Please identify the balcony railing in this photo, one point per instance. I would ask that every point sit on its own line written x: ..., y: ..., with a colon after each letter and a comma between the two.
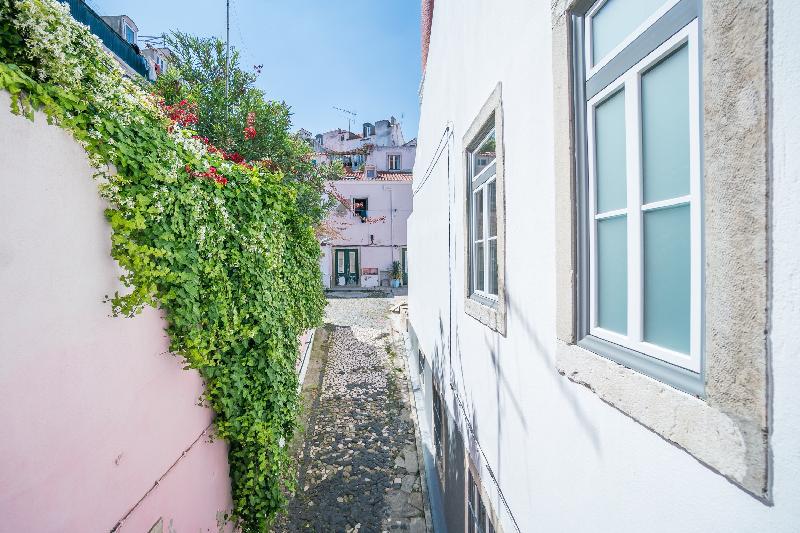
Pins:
x: 113, y: 41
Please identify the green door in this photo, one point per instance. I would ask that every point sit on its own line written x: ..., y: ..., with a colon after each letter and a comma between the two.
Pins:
x: 405, y: 266
x: 346, y: 262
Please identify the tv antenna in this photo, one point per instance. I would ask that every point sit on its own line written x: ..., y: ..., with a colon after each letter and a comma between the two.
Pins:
x: 351, y: 115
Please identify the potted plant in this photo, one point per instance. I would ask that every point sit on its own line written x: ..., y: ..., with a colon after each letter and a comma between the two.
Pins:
x: 397, y: 274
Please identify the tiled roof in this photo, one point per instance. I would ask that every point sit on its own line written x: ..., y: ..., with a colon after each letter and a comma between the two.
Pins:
x: 380, y: 176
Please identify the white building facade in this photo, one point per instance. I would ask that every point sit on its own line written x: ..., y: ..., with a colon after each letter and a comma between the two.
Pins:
x: 366, y: 232
x: 605, y: 275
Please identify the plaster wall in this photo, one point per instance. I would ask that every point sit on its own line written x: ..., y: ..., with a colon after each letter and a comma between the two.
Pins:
x: 388, y: 229
x: 94, y: 408
x: 563, y: 458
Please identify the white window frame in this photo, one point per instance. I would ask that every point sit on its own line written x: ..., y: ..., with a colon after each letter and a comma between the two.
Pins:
x: 603, y: 61
x: 399, y: 160
x: 368, y: 169
x: 125, y: 28
x: 483, y: 189
x: 490, y: 517
x: 630, y: 81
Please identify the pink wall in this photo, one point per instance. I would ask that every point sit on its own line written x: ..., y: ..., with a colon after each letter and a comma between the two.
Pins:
x: 389, y: 235
x: 94, y: 410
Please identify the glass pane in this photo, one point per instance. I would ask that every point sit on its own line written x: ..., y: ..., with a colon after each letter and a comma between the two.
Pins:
x: 484, y: 155
x: 479, y: 266
x: 612, y: 274
x: 352, y: 261
x: 492, y: 206
x: 492, y: 267
x: 616, y: 20
x: 481, y: 514
x: 478, y: 227
x: 470, y: 488
x: 340, y: 262
x: 609, y: 137
x: 667, y: 285
x: 665, y: 128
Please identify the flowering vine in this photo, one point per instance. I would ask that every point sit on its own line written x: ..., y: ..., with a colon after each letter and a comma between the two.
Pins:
x: 199, y: 233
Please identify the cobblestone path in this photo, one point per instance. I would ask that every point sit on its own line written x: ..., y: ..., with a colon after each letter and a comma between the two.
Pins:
x: 359, y: 468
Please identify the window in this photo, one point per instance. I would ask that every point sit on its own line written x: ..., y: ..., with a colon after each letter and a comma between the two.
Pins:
x: 479, y: 519
x: 370, y: 172
x: 360, y: 208
x: 439, y: 416
x: 394, y: 162
x: 130, y: 36
x: 483, y: 217
x: 641, y: 207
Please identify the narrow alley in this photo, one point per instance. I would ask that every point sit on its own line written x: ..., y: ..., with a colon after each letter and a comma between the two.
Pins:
x: 359, y: 469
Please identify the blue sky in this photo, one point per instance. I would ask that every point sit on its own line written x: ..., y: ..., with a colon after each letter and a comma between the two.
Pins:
x: 361, y: 55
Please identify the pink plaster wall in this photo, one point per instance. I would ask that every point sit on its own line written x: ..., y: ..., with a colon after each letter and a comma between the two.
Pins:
x: 389, y: 233
x: 93, y: 408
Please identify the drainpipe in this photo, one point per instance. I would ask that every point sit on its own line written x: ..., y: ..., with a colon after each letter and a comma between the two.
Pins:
x: 391, y: 219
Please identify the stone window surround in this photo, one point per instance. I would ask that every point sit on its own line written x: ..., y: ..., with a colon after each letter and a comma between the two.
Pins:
x: 491, y: 313
x: 471, y: 466
x: 726, y: 428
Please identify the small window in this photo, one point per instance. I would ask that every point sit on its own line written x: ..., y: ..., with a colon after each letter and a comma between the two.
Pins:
x: 394, y: 162
x: 483, y: 216
x: 479, y: 516
x: 130, y: 36
x: 360, y: 208
x: 439, y: 416
x: 370, y: 172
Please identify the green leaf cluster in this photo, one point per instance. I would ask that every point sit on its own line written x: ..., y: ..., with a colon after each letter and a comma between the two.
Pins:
x: 234, y: 268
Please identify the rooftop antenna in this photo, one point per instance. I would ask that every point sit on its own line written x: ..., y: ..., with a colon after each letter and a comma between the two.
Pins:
x: 227, y: 55
x: 352, y: 114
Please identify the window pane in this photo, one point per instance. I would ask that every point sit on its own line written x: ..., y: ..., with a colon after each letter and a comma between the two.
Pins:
x: 667, y: 285
x: 484, y: 155
x: 478, y: 227
x: 481, y: 514
x: 340, y: 262
x: 612, y: 274
x: 492, y: 267
x: 352, y: 262
x: 479, y: 266
x: 610, y: 153
x: 616, y: 20
x: 470, y: 489
x: 492, y: 206
x: 665, y: 128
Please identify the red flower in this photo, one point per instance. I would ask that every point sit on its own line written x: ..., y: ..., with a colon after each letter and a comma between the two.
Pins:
x: 249, y: 133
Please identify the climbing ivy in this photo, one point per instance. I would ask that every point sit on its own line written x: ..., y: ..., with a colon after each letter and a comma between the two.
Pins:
x: 216, y: 243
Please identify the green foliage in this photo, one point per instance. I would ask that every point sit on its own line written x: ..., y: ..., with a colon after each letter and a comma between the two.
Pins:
x: 397, y: 270
x: 197, y: 74
x: 233, y: 264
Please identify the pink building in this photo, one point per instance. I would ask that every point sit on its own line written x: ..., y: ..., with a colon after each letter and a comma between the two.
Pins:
x: 368, y: 227
x: 370, y: 233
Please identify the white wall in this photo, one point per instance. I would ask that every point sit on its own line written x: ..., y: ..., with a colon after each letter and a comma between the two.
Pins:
x: 565, y: 460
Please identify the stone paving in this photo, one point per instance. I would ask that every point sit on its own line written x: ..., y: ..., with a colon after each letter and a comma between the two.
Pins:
x: 359, y: 469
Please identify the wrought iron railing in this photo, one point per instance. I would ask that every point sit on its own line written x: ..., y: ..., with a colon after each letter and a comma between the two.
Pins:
x: 113, y: 41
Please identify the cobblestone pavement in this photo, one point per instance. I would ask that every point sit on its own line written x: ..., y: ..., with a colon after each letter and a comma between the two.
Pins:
x: 359, y: 467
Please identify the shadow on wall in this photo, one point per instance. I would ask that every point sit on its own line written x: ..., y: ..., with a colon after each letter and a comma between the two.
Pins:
x: 466, y: 427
